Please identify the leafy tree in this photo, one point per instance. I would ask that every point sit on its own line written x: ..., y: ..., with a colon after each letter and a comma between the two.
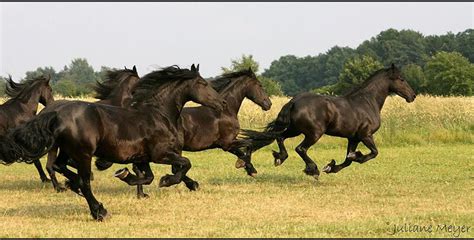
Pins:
x: 244, y: 63
x: 416, y: 77
x: 465, y: 44
x: 79, y: 73
x: 355, y: 72
x: 43, y: 71
x: 449, y: 73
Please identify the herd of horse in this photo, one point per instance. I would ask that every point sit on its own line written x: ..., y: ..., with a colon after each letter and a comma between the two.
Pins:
x: 139, y: 120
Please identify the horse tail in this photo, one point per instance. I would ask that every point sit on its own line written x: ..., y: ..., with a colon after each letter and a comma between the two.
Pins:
x: 102, y: 164
x: 29, y: 142
x: 256, y: 140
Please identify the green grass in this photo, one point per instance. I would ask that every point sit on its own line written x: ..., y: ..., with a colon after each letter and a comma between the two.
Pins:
x: 421, y: 184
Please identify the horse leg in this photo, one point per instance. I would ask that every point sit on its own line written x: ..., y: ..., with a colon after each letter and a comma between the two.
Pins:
x: 38, y: 166
x: 140, y: 174
x: 182, y: 165
x: 311, y: 167
x: 190, y: 183
x: 97, y: 210
x: 281, y: 156
x: 350, y: 156
x: 244, y: 161
x: 132, y: 180
x: 60, y: 165
x: 52, y: 155
x: 369, y: 143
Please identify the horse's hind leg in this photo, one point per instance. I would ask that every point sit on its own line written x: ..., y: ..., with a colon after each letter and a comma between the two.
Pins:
x: 190, y: 183
x: 244, y: 160
x: 350, y: 156
x: 38, y: 166
x: 140, y: 174
x: 302, y: 149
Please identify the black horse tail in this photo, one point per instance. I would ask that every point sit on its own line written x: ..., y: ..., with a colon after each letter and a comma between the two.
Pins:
x: 256, y: 140
x: 102, y: 164
x: 30, y: 141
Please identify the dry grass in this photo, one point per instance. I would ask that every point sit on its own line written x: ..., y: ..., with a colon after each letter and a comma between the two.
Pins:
x: 423, y: 175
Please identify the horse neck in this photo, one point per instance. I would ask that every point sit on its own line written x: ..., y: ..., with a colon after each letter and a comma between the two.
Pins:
x: 171, y: 103
x: 121, y: 98
x: 374, y: 93
x: 234, y: 98
x: 30, y: 104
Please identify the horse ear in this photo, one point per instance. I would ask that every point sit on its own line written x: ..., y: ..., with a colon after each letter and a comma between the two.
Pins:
x: 193, y: 68
x: 393, y: 66
x: 48, y: 77
x: 197, y: 68
x: 125, y: 67
x: 135, y: 69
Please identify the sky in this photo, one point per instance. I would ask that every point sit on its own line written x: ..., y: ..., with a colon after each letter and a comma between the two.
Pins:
x: 151, y: 35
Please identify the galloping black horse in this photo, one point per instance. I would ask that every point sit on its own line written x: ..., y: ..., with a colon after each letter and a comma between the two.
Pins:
x: 116, y: 90
x: 23, y: 104
x: 146, y: 132
x: 203, y: 128
x: 355, y: 116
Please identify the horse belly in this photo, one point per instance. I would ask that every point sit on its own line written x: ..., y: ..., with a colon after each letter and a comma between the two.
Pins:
x: 121, y: 150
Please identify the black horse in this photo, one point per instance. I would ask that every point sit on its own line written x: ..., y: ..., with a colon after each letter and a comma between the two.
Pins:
x: 146, y: 132
x: 23, y: 104
x: 116, y: 90
x: 355, y: 116
x: 202, y: 128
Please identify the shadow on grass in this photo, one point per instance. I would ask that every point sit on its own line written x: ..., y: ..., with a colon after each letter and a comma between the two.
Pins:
x: 44, y: 211
x: 280, y: 179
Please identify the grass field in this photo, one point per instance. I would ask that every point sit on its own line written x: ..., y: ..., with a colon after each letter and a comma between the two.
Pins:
x: 423, y: 176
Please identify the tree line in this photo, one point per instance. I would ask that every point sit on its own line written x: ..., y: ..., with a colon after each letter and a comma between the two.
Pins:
x: 435, y: 64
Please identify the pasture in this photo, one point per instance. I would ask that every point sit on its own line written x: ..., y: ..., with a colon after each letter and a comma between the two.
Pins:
x: 423, y: 176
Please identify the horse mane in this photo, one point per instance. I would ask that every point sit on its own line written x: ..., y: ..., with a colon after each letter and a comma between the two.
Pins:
x: 222, y: 81
x: 112, y: 80
x: 156, y: 80
x: 356, y: 89
x: 18, y: 90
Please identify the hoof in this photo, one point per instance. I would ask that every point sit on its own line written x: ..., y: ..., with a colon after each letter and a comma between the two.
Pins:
x: 192, y: 186
x: 165, y: 181
x: 73, y: 187
x: 253, y: 175
x: 277, y: 162
x: 143, y: 196
x: 330, y: 167
x: 316, y: 177
x: 122, y: 173
x: 101, y: 214
x: 239, y: 163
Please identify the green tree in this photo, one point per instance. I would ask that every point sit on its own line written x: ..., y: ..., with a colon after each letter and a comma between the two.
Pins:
x: 449, y: 73
x: 243, y: 63
x: 355, y: 72
x: 415, y: 76
x: 43, y: 71
x: 247, y: 61
x: 81, y: 74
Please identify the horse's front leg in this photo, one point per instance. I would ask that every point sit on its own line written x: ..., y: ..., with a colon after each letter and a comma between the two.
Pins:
x: 181, y: 166
x: 244, y: 160
x: 52, y: 155
x: 131, y: 179
x: 350, y: 156
x: 370, y: 144
x: 41, y: 173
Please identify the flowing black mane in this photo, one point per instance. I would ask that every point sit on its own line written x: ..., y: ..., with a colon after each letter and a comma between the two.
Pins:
x: 356, y: 89
x: 154, y: 81
x: 223, y: 80
x: 104, y: 89
x: 19, y: 90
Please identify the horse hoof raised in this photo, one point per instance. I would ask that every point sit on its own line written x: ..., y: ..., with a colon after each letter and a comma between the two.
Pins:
x: 239, y: 163
x: 122, y: 173
x: 330, y: 167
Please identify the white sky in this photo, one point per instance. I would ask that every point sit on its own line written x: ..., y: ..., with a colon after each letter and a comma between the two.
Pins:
x: 161, y: 34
